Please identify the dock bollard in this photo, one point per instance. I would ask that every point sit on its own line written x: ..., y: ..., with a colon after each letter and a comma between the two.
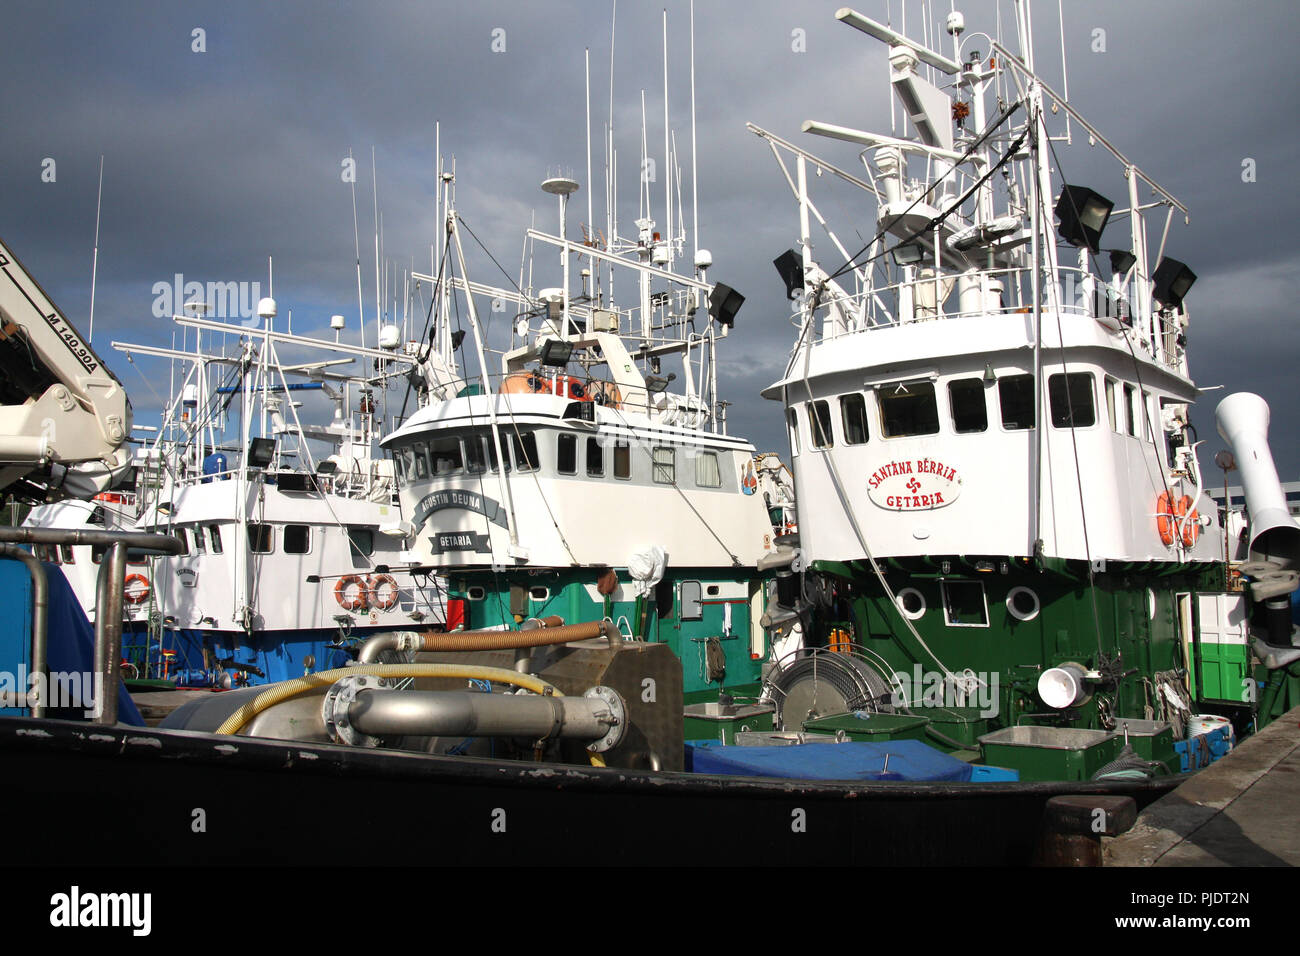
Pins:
x: 1073, y: 827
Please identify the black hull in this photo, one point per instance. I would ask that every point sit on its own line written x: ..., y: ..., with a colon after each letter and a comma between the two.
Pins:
x: 125, y: 796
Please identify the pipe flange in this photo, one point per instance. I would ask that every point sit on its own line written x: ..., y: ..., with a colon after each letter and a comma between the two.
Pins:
x: 334, y: 710
x: 617, y: 718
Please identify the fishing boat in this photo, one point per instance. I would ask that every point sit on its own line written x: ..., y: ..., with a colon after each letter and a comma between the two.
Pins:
x: 283, y: 568
x: 623, y: 677
x: 1003, y: 518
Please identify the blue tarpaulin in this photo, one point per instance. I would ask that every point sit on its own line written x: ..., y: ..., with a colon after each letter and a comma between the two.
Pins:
x: 908, y: 760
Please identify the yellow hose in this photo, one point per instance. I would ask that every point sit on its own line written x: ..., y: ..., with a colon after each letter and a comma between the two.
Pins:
x: 278, y: 693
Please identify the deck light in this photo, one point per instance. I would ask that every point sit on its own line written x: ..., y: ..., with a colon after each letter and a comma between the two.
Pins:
x: 1121, y: 260
x: 724, y: 303
x: 556, y: 352
x: 260, y: 452
x: 908, y: 253
x: 1083, y: 214
x: 990, y: 376
x: 457, y: 337
x: 1171, y: 281
x: 790, y: 267
x: 326, y: 467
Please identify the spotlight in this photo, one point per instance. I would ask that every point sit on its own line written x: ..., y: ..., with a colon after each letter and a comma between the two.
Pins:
x: 556, y: 352
x: 1171, y: 281
x: 724, y: 303
x: 790, y: 267
x: 260, y: 452
x: 1083, y: 214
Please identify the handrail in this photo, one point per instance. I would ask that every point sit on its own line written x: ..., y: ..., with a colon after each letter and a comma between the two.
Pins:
x: 109, y: 593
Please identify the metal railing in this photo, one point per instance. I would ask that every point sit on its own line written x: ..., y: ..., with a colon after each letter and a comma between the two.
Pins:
x: 109, y: 594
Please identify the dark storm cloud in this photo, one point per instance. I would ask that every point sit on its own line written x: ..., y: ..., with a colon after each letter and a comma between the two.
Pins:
x: 216, y: 161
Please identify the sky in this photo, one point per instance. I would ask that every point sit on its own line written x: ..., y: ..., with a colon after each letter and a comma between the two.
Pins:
x: 224, y: 128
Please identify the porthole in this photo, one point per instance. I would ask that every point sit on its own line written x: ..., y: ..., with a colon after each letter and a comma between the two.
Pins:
x: 476, y: 593
x: 911, y: 602
x: 1151, y: 604
x: 539, y: 594
x: 1023, y: 604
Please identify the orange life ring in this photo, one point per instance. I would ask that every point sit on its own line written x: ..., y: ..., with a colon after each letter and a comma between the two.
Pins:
x: 379, y: 599
x: 1192, y: 523
x: 136, y: 595
x: 1166, y: 517
x: 358, y: 601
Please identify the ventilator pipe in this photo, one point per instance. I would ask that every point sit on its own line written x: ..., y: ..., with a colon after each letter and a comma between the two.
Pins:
x: 488, y: 640
x: 426, y: 713
x: 40, y: 616
x: 1243, y: 423
x: 278, y: 693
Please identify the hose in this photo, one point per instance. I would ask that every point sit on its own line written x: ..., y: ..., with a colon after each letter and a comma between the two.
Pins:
x: 279, y: 693
x: 489, y: 640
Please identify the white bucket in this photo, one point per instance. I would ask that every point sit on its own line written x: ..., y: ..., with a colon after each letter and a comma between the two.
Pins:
x: 1200, y: 724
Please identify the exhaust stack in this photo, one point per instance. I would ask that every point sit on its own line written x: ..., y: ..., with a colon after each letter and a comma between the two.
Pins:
x: 1274, y: 535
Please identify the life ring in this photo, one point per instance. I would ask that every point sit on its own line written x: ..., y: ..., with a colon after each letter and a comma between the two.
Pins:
x: 1175, y: 514
x: 1167, y: 517
x: 383, y: 599
x: 1191, y: 524
x: 137, y: 594
x: 360, y: 600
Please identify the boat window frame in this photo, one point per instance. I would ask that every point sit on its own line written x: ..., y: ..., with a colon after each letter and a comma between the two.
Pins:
x: 1071, y: 417
x: 895, y: 393
x: 1005, y: 382
x: 947, y: 602
x: 975, y: 384
x: 860, y: 425
x: 284, y: 537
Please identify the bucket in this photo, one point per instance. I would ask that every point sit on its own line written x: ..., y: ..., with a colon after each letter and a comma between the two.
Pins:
x: 1200, y: 724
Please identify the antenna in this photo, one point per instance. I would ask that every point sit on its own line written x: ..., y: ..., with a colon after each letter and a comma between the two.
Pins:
x: 94, y: 261
x: 643, y: 191
x: 668, y: 160
x: 590, y: 218
x: 374, y: 186
x: 356, y: 239
x: 695, y: 195
x: 1065, y: 76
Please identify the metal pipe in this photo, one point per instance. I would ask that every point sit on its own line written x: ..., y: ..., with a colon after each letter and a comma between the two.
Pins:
x: 136, y: 540
x: 40, y: 618
x: 488, y: 640
x: 425, y: 713
x: 109, y: 592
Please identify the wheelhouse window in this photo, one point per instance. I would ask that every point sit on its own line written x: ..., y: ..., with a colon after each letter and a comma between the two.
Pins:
x: 622, y: 459
x: 970, y: 412
x: 819, y: 420
x: 475, y: 460
x: 445, y: 457
x: 200, y: 543
x: 964, y: 604
x: 1130, y: 419
x: 853, y: 416
x: 297, y: 538
x: 908, y: 409
x: 595, y: 459
x: 66, y: 551
x: 566, y: 455
x: 525, y: 449
x: 1111, y: 411
x: 214, y: 536
x: 260, y: 538
x: 1016, y: 400
x: 421, y: 461
x: 1070, y: 398
x: 664, y: 467
x: 793, y: 418
x: 707, y: 473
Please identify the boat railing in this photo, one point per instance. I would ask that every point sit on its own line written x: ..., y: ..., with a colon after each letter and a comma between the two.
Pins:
x: 110, y: 591
x: 931, y: 296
